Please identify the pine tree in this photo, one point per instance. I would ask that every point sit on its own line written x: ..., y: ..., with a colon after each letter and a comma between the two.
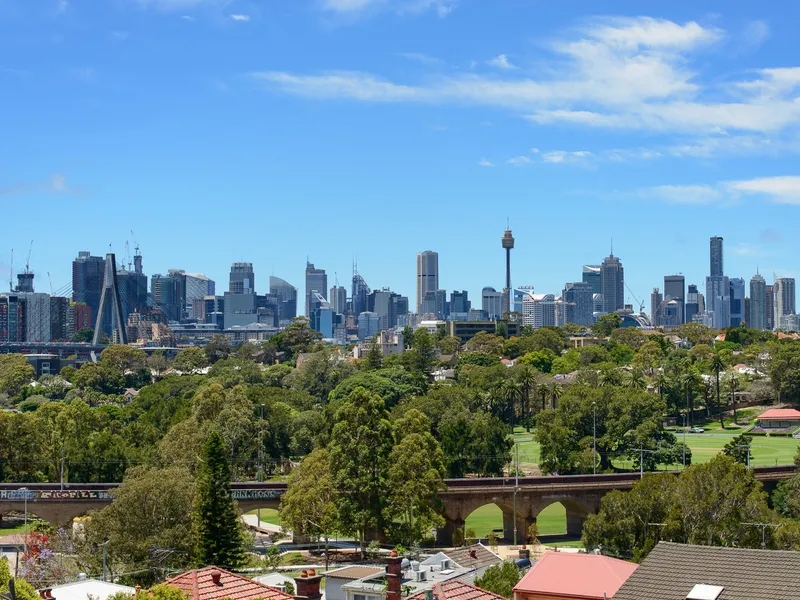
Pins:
x: 220, y: 538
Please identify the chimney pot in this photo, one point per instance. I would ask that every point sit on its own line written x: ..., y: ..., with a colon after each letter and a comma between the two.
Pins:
x: 216, y: 576
x: 312, y: 572
x: 394, y: 553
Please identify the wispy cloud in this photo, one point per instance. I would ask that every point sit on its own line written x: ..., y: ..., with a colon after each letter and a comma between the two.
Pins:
x: 756, y: 33
x: 501, y: 62
x: 356, y: 7
x: 779, y: 190
x: 176, y: 5
x: 54, y: 184
x: 519, y: 161
x: 240, y: 18
x: 560, y: 156
x: 62, y: 6
x: 421, y: 58
x: 683, y: 194
x: 485, y: 163
x: 747, y: 249
x: 782, y: 190
x: 629, y: 74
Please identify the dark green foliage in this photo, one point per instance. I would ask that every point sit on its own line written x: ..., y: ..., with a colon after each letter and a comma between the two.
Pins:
x: 500, y: 579
x: 218, y: 531
x: 392, y: 384
x: 785, y: 371
x: 739, y: 449
x: 83, y: 336
x: 606, y: 324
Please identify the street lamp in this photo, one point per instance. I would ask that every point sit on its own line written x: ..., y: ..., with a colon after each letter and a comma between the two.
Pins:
x: 594, y: 438
x: 25, y: 526
x: 104, y: 544
x: 684, y: 440
x: 516, y: 485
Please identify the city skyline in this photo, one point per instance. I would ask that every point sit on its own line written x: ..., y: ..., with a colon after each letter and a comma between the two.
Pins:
x: 136, y: 115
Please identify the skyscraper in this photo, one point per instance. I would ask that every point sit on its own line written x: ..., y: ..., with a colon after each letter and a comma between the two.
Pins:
x: 321, y: 314
x: 715, y: 255
x: 656, y: 300
x: 692, y: 303
x: 338, y: 299
x: 578, y: 305
x: 196, y: 287
x: 459, y: 302
x: 427, y: 275
x: 360, y: 291
x: 770, y: 304
x: 87, y: 281
x: 674, y: 289
x: 243, y: 279
x: 491, y: 303
x: 316, y: 281
x: 591, y: 275
x: 737, y: 301
x: 758, y: 302
x: 166, y: 292
x: 286, y: 295
x: 718, y: 288
x: 612, y: 284
x: 784, y: 298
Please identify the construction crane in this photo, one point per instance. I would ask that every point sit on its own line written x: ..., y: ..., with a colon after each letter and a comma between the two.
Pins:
x: 641, y: 304
x: 135, y: 243
x: 28, y: 262
x: 51, y: 283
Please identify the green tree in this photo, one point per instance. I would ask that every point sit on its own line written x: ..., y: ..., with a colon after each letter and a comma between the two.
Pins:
x: 308, y: 506
x: 739, y: 449
x: 422, y: 355
x: 696, y: 333
x: 218, y: 348
x: 415, y: 473
x: 220, y: 539
x: 785, y: 371
x: 717, y: 364
x: 449, y: 345
x: 361, y: 442
x: 190, y: 359
x: 22, y: 589
x: 500, y: 579
x: 15, y: 373
x: 606, y: 324
x: 633, y: 337
x: 123, y: 358
x: 485, y: 343
x: 374, y: 358
x: 152, y: 508
x: 84, y: 336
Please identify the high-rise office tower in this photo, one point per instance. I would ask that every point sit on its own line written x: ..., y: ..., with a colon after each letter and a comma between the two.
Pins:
x: 427, y: 275
x: 770, y: 304
x: 316, y: 281
x: 167, y: 294
x: 196, y: 286
x: 87, y: 281
x: 591, y: 275
x: 655, y: 307
x: 286, y: 295
x: 692, y: 303
x: 612, y: 284
x: 360, y: 291
x: 783, y: 289
x: 577, y: 303
x: 675, y: 289
x: 338, y: 299
x: 491, y: 303
x: 758, y: 302
x: 715, y: 256
x: 507, y: 242
x: 718, y: 288
x: 321, y: 314
x: 243, y: 279
x: 435, y: 303
x: 459, y: 302
x: 737, y: 301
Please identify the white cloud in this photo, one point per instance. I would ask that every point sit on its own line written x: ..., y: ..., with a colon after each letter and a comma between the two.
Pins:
x: 485, y: 163
x: 354, y: 7
x: 349, y: 5
x: 501, y: 62
x: 626, y: 74
x: 420, y: 58
x: 756, y: 33
x: 241, y: 18
x: 173, y: 5
x: 747, y: 249
x: 783, y: 190
x: 683, y: 194
x: 561, y: 156
x: 518, y: 161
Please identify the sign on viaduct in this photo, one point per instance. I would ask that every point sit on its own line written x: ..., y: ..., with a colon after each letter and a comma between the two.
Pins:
x: 579, y: 494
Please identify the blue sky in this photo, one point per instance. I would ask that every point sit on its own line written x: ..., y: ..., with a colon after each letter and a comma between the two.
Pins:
x: 273, y: 130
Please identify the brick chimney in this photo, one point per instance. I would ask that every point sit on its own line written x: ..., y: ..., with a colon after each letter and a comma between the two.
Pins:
x: 524, y: 553
x: 394, y: 576
x: 308, y: 585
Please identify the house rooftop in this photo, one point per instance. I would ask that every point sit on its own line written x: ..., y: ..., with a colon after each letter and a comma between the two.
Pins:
x: 213, y: 583
x: 457, y: 590
x: 671, y: 571
x: 781, y: 414
x: 568, y: 575
x: 85, y: 588
x: 355, y: 572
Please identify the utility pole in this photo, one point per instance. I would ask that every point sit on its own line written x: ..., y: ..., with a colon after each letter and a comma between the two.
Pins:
x: 748, y: 452
x: 763, y: 531
x: 594, y: 438
x: 104, y: 544
x: 684, y: 442
x: 642, y: 450
x: 260, y: 458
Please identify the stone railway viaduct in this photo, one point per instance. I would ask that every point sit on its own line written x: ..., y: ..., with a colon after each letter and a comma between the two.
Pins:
x: 580, y: 495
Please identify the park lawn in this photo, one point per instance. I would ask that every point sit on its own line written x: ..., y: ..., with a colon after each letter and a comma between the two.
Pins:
x: 551, y: 521
x: 16, y: 529
x: 268, y: 515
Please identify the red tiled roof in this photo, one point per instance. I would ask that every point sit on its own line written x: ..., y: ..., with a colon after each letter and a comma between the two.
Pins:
x: 457, y: 590
x: 575, y: 575
x: 199, y: 585
x: 780, y: 413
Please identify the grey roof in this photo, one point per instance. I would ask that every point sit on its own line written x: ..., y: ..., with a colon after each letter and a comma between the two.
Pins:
x: 671, y: 571
x: 476, y: 556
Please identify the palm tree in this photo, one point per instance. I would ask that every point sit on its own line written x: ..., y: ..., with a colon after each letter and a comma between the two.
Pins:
x: 511, y: 391
x: 717, y: 364
x: 555, y: 393
x: 527, y: 379
x: 689, y: 381
x: 609, y: 377
x: 734, y: 380
x: 663, y: 382
x: 635, y: 380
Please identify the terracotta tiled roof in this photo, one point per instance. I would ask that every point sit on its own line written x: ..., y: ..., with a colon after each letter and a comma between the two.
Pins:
x: 671, y: 570
x: 355, y: 572
x: 199, y: 585
x: 780, y: 413
x: 457, y: 590
x: 570, y: 575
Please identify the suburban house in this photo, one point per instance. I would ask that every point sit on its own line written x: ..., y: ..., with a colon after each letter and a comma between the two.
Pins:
x: 684, y: 572
x: 568, y: 576
x: 334, y: 580
x: 85, y: 588
x: 778, y: 419
x: 455, y: 590
x: 213, y: 583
